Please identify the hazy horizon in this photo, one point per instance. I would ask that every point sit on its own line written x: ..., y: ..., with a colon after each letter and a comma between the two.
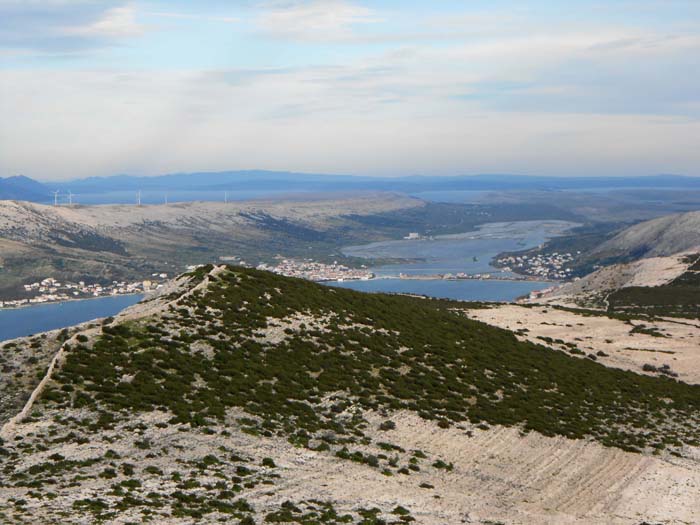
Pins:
x: 368, y: 88
x: 494, y: 175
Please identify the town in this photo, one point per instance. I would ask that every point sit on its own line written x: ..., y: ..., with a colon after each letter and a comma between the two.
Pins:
x: 550, y: 266
x: 51, y: 290
x: 316, y: 271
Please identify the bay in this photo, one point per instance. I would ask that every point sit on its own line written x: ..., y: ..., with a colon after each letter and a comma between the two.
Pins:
x: 471, y: 253
x: 20, y: 322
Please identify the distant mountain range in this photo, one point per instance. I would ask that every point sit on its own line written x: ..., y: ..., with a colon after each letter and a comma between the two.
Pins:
x: 290, y: 181
x: 23, y: 188
x: 183, y: 186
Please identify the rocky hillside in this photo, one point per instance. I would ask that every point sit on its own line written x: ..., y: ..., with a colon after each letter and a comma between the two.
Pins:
x: 243, y: 397
x: 126, y: 242
x: 650, y: 268
x: 664, y: 236
x: 657, y: 286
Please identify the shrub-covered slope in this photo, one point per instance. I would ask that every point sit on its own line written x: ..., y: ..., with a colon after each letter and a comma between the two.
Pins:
x: 678, y: 298
x: 155, y: 415
x: 280, y: 348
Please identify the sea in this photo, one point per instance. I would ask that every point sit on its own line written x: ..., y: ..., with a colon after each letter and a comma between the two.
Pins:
x: 20, y: 322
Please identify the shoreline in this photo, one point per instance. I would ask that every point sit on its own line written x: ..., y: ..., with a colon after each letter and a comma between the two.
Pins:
x: 425, y: 278
x: 516, y: 231
x: 69, y: 300
x: 478, y: 232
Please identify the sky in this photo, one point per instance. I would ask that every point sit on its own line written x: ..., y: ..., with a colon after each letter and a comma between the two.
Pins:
x: 385, y: 87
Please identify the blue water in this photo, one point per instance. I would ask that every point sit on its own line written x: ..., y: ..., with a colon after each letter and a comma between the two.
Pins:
x: 470, y: 253
x: 466, y: 290
x: 21, y: 322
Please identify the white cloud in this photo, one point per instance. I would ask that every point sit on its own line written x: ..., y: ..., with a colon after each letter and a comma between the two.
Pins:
x: 324, y: 120
x: 313, y: 19
x: 59, y: 27
x: 117, y: 22
x: 570, y: 98
x: 190, y: 16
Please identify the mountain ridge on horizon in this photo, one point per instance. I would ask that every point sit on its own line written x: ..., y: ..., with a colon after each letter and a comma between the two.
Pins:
x: 24, y: 188
x: 19, y: 187
x: 318, y: 181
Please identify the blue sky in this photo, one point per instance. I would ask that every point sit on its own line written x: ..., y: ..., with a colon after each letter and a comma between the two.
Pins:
x: 97, y: 87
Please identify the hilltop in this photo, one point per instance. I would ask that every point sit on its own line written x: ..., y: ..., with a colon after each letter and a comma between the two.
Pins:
x: 241, y: 396
x: 20, y: 187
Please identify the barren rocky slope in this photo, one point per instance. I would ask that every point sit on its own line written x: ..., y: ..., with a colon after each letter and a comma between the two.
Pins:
x: 664, y: 236
x: 591, y: 289
x: 239, y: 396
x: 653, y: 346
x: 654, y: 287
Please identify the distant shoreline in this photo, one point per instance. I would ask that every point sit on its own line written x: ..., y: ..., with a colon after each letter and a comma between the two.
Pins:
x: 69, y: 300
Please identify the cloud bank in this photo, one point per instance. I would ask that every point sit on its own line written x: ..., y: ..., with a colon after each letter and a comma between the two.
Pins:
x: 344, y: 87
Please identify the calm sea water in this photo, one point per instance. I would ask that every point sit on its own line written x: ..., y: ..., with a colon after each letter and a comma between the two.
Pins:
x: 460, y: 290
x: 21, y: 322
x: 469, y: 252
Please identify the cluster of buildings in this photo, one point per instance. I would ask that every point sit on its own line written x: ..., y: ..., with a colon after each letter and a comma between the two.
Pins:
x: 462, y: 275
x: 51, y: 290
x: 315, y: 271
x: 446, y: 276
x: 538, y: 294
x: 546, y: 266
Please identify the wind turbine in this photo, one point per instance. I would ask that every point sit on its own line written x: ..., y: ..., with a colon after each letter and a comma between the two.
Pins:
x: 166, y: 198
x: 138, y: 198
x: 225, y: 196
x: 70, y: 198
x: 55, y: 197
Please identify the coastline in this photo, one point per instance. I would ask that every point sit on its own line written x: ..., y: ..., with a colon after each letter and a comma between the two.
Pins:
x: 46, y: 317
x: 440, y: 278
x: 66, y: 301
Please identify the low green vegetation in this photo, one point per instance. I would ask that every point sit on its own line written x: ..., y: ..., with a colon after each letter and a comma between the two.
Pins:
x: 679, y: 298
x: 316, y: 512
x: 323, y: 368
x: 349, y: 352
